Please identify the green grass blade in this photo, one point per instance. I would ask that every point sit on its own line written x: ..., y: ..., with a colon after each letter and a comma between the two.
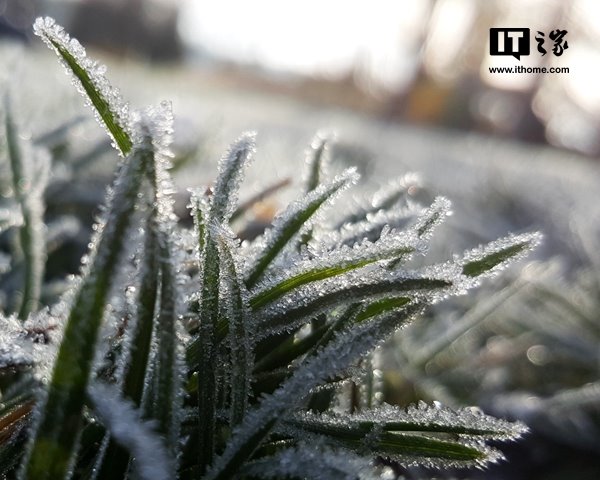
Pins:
x: 205, y: 342
x: 224, y: 197
x: 435, y: 434
x: 116, y: 458
x: 90, y: 81
x: 167, y: 369
x: 432, y: 217
x: 337, y: 263
x: 306, y: 305
x: 29, y: 198
x: 52, y: 449
x: 238, y: 313
x: 293, y: 219
x: 497, y: 254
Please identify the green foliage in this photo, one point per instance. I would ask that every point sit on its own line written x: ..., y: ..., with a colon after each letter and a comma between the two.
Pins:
x: 122, y: 386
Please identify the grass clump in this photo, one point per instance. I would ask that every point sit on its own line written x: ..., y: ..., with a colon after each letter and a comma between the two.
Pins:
x: 223, y: 359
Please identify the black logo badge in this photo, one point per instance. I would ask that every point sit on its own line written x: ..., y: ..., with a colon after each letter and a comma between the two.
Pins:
x: 513, y: 42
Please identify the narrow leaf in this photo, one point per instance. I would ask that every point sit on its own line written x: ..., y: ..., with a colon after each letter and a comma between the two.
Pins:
x: 90, y: 81
x: 124, y: 423
x: 238, y: 315
x: 51, y: 451
x: 28, y: 195
x: 302, y: 305
x: 224, y: 198
x: 496, y: 255
x: 291, y: 221
x: 337, y: 262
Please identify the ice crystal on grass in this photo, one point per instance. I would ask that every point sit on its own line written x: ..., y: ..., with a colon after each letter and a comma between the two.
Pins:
x: 272, y: 327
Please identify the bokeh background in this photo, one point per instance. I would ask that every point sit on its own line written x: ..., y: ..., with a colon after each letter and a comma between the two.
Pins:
x: 406, y: 87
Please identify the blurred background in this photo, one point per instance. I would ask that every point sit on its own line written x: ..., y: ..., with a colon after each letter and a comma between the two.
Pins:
x: 407, y: 87
x: 425, y: 62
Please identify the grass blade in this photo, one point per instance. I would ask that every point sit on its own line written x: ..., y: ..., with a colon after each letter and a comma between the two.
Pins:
x: 292, y: 220
x: 496, y: 255
x: 90, y: 82
x: 338, y: 262
x: 29, y: 198
x: 224, y: 198
x: 51, y: 451
x: 238, y: 313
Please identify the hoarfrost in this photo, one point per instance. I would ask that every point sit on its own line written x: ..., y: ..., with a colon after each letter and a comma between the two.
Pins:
x: 466, y: 422
x: 126, y: 426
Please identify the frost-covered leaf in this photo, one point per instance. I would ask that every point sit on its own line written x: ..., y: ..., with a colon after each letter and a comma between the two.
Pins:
x: 29, y: 173
x: 238, y: 316
x: 432, y: 217
x: 337, y: 262
x: 496, y: 255
x: 293, y: 220
x: 312, y: 461
x: 346, y: 348
x: 124, y: 423
x: 224, y: 197
x: 206, y: 341
x: 51, y: 451
x: 89, y: 79
x: 316, y: 161
x: 303, y: 304
x: 422, y: 434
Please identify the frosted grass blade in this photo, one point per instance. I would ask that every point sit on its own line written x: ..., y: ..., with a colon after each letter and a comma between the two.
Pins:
x: 301, y: 306
x: 315, y: 161
x: 493, y: 257
x: 292, y: 220
x: 29, y: 197
x: 167, y: 368
x: 337, y: 262
x: 115, y: 458
x: 224, y: 198
x: 206, y: 340
x: 238, y: 314
x: 386, y: 198
x: 433, y: 435
x: 124, y: 423
x: 54, y: 440
x: 336, y: 357
x: 89, y: 79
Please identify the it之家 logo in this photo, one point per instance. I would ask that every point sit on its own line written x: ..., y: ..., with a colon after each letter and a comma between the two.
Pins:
x: 516, y: 42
